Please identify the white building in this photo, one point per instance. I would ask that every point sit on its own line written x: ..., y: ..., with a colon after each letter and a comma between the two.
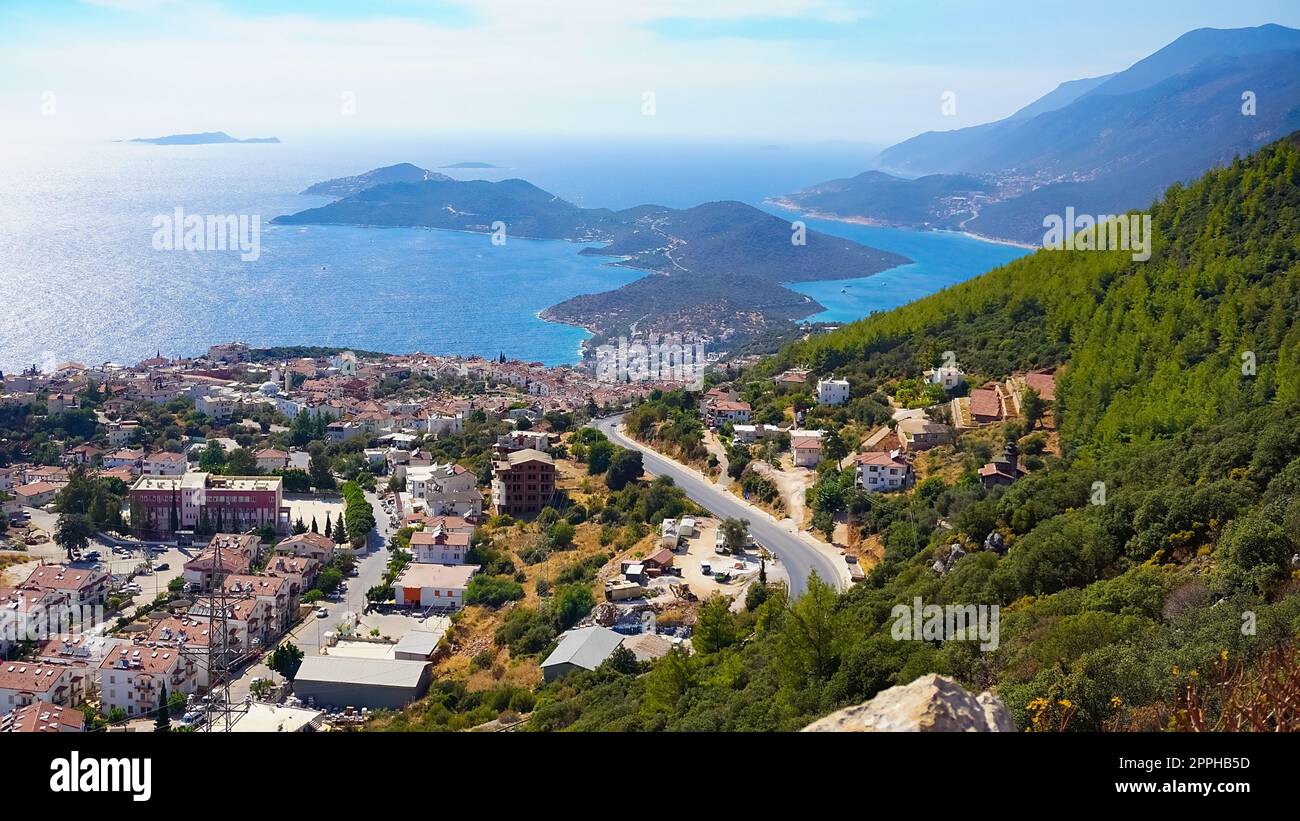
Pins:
x: 879, y: 471
x: 120, y: 433
x: 83, y: 586
x: 25, y: 682
x: 444, y: 489
x: 832, y: 391
x: 806, y: 450
x: 269, y: 459
x: 949, y: 378
x: 440, y: 586
x: 441, y: 425
x: 132, y: 676
x: 749, y: 434
x: 163, y: 463
x: 421, y: 480
x: 439, y: 546
x: 217, y: 406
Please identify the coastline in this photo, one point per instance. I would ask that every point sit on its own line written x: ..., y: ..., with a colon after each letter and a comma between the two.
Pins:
x: 994, y: 240
x: 786, y: 204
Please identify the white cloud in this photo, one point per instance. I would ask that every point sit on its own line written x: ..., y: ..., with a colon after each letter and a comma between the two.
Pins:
x: 526, y: 67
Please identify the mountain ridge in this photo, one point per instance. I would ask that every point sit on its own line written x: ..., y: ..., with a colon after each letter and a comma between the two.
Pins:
x: 1115, y: 144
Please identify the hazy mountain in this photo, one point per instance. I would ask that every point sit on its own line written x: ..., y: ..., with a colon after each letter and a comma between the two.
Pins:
x: 1022, y: 140
x: 347, y: 186
x: 1060, y: 97
x: 1101, y: 145
x: 204, y: 138
x: 1126, y: 150
x: 1196, y: 47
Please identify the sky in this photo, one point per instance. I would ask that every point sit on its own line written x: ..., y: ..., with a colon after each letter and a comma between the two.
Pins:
x: 755, y: 70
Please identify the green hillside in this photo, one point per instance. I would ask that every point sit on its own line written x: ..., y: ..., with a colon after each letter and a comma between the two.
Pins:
x: 1106, y: 609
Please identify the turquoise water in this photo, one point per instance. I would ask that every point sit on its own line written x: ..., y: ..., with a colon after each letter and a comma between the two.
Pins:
x: 82, y: 281
x: 940, y: 259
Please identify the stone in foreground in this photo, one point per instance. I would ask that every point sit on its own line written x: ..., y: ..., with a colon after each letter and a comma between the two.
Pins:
x: 931, y: 704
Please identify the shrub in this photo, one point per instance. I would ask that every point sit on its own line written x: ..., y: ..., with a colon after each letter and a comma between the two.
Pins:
x: 492, y: 591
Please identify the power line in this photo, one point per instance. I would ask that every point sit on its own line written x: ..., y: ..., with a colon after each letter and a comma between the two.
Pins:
x: 217, y: 658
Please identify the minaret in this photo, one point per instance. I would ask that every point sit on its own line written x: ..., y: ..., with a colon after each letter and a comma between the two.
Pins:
x: 288, y: 379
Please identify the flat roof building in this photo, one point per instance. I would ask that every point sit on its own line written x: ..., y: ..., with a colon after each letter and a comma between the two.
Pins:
x: 344, y: 681
x: 440, y: 586
x: 161, y: 505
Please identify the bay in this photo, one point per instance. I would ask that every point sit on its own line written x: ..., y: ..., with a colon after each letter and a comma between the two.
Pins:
x: 80, y: 278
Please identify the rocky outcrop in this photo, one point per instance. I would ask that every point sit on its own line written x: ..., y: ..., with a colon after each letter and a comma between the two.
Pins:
x: 931, y: 704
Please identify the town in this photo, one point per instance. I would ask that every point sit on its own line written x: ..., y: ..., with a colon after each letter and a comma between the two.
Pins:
x: 265, y: 541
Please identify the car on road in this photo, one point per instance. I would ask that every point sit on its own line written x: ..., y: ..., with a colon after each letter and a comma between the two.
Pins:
x: 163, y: 566
x: 322, y: 613
x: 92, y: 556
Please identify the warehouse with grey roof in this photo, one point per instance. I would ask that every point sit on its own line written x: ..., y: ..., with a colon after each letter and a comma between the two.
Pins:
x: 345, y: 681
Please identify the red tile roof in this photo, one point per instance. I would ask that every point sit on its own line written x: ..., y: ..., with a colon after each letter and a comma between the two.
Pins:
x: 1043, y: 382
x: 984, y: 402
x: 43, y: 718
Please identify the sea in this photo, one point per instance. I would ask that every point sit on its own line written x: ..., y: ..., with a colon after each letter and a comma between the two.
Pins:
x: 82, y: 276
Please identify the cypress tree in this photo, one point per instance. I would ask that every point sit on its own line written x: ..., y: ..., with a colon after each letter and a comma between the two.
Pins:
x: 162, y: 722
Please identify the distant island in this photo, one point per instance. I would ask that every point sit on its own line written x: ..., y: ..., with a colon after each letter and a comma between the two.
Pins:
x: 718, y: 269
x: 347, y: 186
x: 205, y: 138
x: 470, y: 165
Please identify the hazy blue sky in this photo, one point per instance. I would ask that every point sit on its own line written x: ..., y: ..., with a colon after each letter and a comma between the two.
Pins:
x: 760, y: 69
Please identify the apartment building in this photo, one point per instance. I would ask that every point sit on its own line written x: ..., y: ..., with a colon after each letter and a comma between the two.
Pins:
x: 523, y: 481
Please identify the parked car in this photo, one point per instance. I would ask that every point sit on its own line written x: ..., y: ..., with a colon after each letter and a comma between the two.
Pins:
x: 163, y: 566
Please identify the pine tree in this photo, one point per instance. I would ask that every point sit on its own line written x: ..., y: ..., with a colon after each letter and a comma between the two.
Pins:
x: 340, y: 531
x: 328, y: 531
x: 314, y: 527
x: 162, y: 722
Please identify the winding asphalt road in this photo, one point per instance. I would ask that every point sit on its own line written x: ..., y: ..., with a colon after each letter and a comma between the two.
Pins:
x: 799, y: 558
